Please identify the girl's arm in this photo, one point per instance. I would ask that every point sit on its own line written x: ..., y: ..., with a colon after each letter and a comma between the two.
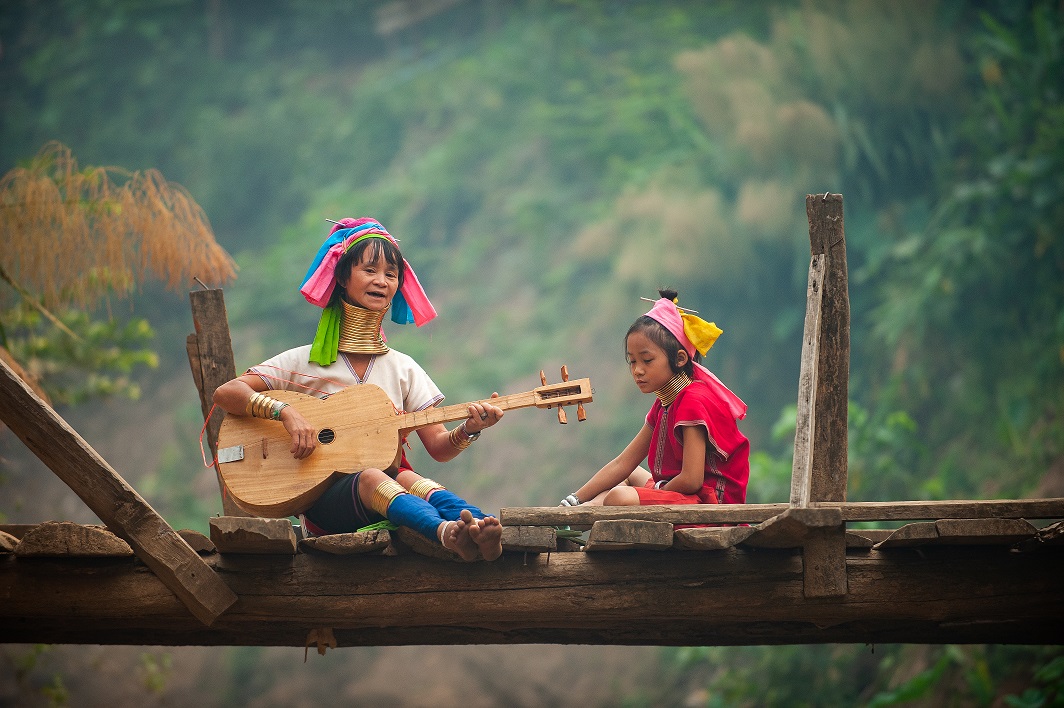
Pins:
x: 617, y: 470
x: 693, y: 473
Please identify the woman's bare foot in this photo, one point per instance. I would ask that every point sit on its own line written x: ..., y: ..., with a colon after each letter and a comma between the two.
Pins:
x: 486, y: 533
x: 454, y: 536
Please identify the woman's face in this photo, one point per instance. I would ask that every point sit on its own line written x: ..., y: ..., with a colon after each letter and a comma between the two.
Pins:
x: 372, y: 282
x: 648, y: 363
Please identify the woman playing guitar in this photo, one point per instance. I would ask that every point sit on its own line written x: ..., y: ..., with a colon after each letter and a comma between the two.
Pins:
x: 363, y: 259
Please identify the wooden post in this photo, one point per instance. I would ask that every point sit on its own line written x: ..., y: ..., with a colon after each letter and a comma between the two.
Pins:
x: 819, y: 473
x: 117, y: 504
x: 210, y: 355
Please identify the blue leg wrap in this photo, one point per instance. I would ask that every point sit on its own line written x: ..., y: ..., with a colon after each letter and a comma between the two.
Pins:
x: 416, y: 513
x: 450, y: 505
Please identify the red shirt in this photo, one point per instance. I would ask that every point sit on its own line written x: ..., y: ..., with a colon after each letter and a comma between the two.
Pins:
x: 727, y: 468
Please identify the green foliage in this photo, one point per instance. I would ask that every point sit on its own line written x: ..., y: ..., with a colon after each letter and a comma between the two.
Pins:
x: 98, y: 363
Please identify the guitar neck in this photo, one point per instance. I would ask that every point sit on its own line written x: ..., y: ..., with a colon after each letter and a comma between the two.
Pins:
x: 460, y: 411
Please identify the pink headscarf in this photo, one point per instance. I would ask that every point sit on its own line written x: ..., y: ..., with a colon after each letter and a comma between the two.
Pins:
x: 681, y: 325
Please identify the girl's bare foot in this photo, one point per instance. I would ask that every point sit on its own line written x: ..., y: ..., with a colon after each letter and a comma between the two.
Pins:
x: 486, y: 533
x: 454, y: 536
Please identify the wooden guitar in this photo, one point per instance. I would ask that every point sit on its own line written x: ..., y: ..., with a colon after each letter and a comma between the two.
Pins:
x: 358, y: 428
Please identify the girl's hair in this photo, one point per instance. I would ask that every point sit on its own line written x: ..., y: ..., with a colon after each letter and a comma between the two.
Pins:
x: 380, y: 246
x: 656, y: 333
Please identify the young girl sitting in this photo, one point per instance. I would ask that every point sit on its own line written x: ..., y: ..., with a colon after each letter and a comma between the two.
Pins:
x: 690, y: 437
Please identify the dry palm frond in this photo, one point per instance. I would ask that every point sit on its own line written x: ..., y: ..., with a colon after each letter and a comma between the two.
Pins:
x: 73, y: 235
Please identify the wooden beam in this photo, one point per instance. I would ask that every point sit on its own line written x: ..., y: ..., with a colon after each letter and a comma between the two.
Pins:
x: 937, y: 594
x: 117, y: 504
x: 577, y: 516
x: 210, y: 356
x: 805, y: 424
x: 827, y: 237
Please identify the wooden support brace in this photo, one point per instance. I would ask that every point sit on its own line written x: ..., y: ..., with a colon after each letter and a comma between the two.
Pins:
x: 210, y: 356
x: 117, y: 504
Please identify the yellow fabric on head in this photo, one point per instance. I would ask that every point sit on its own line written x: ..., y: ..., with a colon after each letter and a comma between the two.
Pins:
x: 701, y: 333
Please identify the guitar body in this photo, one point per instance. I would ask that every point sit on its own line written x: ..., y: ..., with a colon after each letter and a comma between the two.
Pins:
x: 269, y: 482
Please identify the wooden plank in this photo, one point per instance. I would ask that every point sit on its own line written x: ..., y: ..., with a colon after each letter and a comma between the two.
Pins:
x: 919, y: 534
x: 210, y: 356
x: 944, y: 594
x: 117, y: 504
x: 348, y: 544
x: 7, y: 542
x: 993, y: 532
x: 802, y: 467
x: 529, y: 539
x: 716, y: 538
x: 240, y: 534
x: 793, y: 527
x: 65, y: 538
x: 827, y: 236
x: 198, y: 542
x: 623, y: 535
x: 578, y: 516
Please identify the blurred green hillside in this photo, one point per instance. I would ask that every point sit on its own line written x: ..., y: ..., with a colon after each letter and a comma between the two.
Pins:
x: 545, y: 165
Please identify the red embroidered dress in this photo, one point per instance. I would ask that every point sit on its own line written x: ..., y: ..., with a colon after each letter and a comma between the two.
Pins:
x: 728, y: 450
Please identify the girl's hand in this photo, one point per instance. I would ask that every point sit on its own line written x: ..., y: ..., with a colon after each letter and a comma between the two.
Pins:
x: 304, y: 436
x: 482, y: 415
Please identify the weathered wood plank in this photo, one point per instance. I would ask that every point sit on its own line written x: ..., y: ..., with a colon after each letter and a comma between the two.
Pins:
x: 349, y: 544
x: 65, y: 538
x: 961, y: 532
x: 241, y: 534
x: 623, y: 535
x: 802, y: 466
x: 112, y: 500
x: 529, y: 539
x: 577, y: 516
x: 711, y: 539
x: 7, y: 542
x: 793, y: 527
x: 827, y: 236
x: 210, y: 356
x: 944, y: 594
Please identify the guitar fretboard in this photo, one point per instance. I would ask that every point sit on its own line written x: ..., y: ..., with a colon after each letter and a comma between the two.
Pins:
x: 460, y: 411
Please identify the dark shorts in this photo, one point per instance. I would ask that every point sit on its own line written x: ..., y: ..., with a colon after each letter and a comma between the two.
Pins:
x: 339, y: 509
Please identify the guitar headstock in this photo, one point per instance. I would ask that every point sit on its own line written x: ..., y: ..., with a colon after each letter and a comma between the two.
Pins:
x: 565, y: 393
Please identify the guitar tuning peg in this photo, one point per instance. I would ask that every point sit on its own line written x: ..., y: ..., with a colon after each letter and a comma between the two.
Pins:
x: 543, y: 380
x: 561, y: 416
x: 580, y: 414
x: 565, y: 372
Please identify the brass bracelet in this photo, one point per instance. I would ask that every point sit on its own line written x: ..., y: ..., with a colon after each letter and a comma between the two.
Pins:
x: 424, y: 487
x: 262, y: 406
x: 459, y: 439
x: 383, y: 495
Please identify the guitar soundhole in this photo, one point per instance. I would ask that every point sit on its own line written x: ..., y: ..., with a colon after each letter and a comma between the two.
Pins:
x: 326, y: 436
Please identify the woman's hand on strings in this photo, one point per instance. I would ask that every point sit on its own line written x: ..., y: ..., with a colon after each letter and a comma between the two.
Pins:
x: 482, y: 415
x: 304, y: 436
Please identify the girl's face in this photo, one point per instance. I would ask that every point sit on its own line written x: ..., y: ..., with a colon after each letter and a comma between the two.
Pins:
x: 648, y: 363
x: 372, y: 282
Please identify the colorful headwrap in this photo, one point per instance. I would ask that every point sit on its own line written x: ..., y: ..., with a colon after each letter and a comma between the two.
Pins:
x: 695, y: 334
x: 410, y: 304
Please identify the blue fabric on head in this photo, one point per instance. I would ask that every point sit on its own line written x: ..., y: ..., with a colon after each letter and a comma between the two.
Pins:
x: 401, y: 312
